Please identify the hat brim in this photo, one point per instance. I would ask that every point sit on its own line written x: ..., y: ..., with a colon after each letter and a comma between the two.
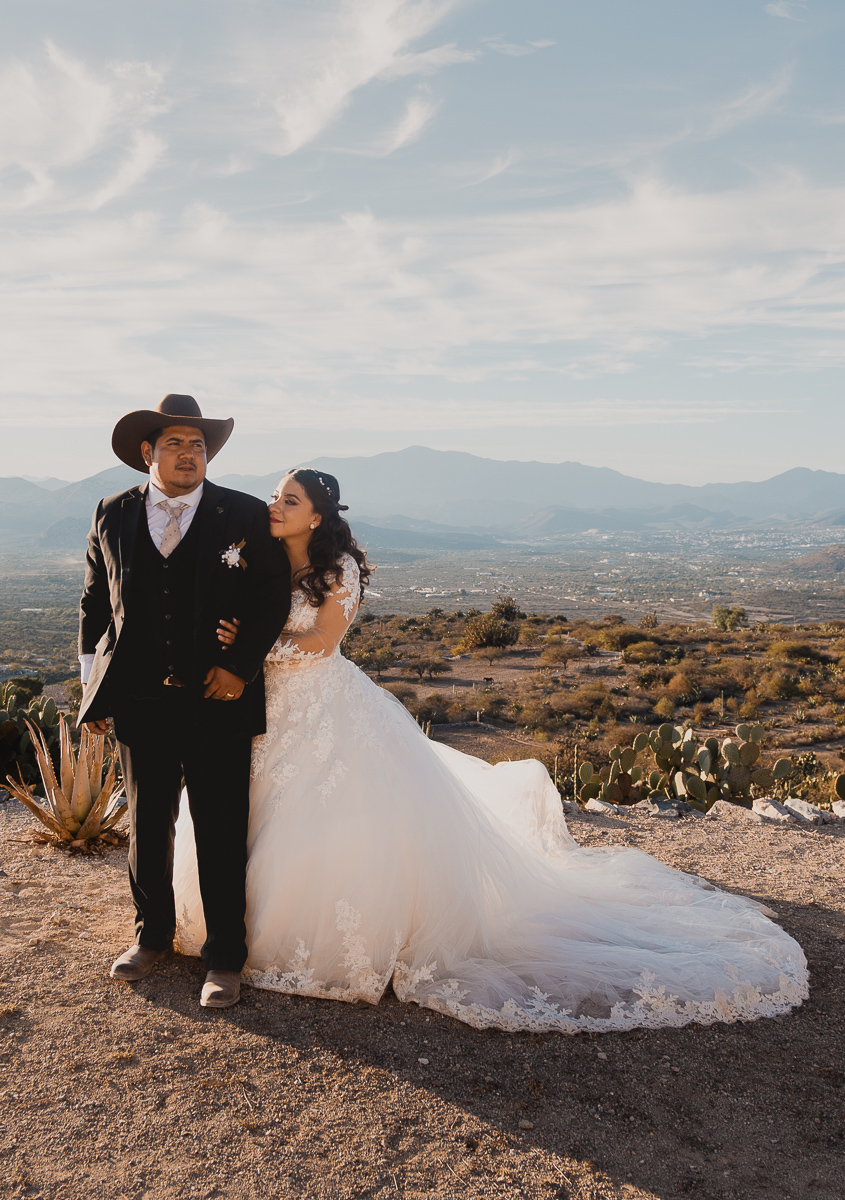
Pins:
x: 136, y: 427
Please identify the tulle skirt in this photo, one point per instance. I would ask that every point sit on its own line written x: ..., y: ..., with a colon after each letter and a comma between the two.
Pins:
x: 378, y: 857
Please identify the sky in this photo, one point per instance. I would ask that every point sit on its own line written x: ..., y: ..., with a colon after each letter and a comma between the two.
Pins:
x: 611, y: 233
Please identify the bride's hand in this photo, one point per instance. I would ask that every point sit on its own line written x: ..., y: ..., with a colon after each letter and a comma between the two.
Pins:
x: 227, y: 631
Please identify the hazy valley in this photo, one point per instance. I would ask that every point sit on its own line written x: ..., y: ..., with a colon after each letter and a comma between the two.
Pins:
x: 454, y: 531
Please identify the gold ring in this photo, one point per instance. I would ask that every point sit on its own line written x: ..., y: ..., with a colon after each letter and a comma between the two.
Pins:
x: 229, y: 695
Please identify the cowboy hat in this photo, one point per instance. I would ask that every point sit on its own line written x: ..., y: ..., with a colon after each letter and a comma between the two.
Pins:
x: 137, y: 427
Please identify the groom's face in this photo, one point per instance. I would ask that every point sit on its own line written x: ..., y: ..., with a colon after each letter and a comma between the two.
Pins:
x: 177, y: 461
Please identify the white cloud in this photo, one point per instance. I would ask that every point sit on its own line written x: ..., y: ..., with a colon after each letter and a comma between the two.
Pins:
x: 419, y: 111
x: 500, y: 164
x: 146, y: 150
x: 281, y: 310
x: 58, y: 113
x: 515, y: 49
x: 783, y: 8
x: 428, y: 61
x: 342, y: 48
x: 756, y: 101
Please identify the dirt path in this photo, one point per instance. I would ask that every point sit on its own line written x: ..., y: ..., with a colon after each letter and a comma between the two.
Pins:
x: 111, y: 1091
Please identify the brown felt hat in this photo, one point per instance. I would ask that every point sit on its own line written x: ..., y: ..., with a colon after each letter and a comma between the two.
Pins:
x: 136, y: 427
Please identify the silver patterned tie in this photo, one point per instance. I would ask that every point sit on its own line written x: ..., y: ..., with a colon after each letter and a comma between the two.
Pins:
x: 172, y: 535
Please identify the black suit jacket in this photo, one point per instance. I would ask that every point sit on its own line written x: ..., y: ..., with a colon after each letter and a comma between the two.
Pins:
x: 258, y: 594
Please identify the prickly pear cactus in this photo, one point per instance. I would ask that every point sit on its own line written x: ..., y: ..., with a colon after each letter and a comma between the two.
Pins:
x: 17, y: 752
x: 621, y: 781
x: 700, y: 774
x: 730, y: 771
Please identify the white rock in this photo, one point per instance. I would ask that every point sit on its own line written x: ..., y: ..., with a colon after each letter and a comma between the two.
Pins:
x: 601, y: 806
x: 723, y: 808
x: 838, y: 809
x: 810, y: 812
x: 773, y: 810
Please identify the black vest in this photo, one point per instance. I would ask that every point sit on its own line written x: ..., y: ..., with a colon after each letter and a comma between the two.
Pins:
x: 157, y: 639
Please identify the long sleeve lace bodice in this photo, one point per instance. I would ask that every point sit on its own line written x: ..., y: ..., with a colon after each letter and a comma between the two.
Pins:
x: 316, y: 633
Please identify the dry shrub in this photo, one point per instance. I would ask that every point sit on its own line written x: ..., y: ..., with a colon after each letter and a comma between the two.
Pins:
x: 797, y: 652
x: 681, y: 690
x: 777, y: 685
x: 618, y: 637
x: 641, y: 652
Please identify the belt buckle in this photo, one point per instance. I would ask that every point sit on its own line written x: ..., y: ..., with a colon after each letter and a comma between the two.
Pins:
x: 172, y: 681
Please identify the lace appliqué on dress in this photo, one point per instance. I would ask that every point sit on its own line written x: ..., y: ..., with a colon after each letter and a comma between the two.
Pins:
x: 298, y: 684
x: 363, y: 982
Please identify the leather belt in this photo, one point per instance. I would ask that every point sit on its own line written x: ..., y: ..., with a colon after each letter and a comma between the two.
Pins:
x: 172, y: 681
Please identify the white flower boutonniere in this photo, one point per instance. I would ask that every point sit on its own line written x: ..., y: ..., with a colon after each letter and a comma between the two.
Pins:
x: 233, y: 557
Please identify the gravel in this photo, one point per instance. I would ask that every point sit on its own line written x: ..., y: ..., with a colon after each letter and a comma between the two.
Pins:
x: 133, y: 1091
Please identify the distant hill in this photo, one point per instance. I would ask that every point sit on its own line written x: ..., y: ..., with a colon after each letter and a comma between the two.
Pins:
x: 444, y: 496
x: 453, y: 488
x: 828, y: 561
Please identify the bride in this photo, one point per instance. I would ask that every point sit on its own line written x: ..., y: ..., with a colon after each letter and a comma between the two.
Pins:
x: 378, y: 857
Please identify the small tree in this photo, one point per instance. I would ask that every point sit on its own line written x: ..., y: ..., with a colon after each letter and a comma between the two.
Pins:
x: 490, y: 654
x: 728, y: 619
x: 374, y: 656
x: 421, y: 665
x: 561, y: 654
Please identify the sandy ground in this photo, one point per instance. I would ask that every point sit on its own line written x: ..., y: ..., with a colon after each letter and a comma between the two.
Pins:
x: 116, y: 1091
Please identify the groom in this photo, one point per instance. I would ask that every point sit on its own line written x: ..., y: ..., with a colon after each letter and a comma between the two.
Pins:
x: 166, y: 561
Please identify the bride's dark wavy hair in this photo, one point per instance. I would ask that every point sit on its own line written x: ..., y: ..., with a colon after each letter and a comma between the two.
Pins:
x: 330, y: 540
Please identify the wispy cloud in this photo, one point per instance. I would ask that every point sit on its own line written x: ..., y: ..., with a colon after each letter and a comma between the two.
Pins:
x: 500, y: 164
x: 754, y: 102
x: 59, y: 113
x: 354, y: 44
x: 419, y: 111
x: 515, y: 49
x: 785, y: 8
x: 146, y: 150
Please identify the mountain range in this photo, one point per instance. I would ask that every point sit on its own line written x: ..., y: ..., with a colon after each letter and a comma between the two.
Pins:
x: 420, y: 497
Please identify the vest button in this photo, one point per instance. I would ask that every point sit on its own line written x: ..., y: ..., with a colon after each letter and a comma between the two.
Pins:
x: 167, y: 616
x: 167, y: 591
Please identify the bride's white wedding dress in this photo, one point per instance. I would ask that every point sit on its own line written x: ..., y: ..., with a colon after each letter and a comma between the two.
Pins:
x: 377, y: 856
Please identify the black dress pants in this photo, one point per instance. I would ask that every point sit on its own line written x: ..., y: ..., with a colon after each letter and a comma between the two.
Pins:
x: 162, y: 741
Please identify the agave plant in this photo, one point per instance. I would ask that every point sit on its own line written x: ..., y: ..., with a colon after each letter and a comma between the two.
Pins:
x: 79, y: 805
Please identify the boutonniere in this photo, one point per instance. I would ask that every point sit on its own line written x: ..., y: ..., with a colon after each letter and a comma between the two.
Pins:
x: 233, y: 557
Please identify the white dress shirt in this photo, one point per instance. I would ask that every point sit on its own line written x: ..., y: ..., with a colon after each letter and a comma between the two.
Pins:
x: 157, y: 519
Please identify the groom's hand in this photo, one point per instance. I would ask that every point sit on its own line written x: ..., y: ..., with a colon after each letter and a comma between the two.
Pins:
x: 222, y: 685
x: 99, y: 728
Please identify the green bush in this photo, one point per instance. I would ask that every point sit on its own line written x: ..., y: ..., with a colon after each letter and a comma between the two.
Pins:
x: 25, y: 688
x: 488, y: 630
x: 728, y: 619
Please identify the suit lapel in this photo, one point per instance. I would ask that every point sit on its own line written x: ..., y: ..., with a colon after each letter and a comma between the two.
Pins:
x: 132, y: 509
x: 211, y: 515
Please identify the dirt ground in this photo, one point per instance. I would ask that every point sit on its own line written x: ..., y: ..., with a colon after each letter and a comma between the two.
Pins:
x: 111, y: 1091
